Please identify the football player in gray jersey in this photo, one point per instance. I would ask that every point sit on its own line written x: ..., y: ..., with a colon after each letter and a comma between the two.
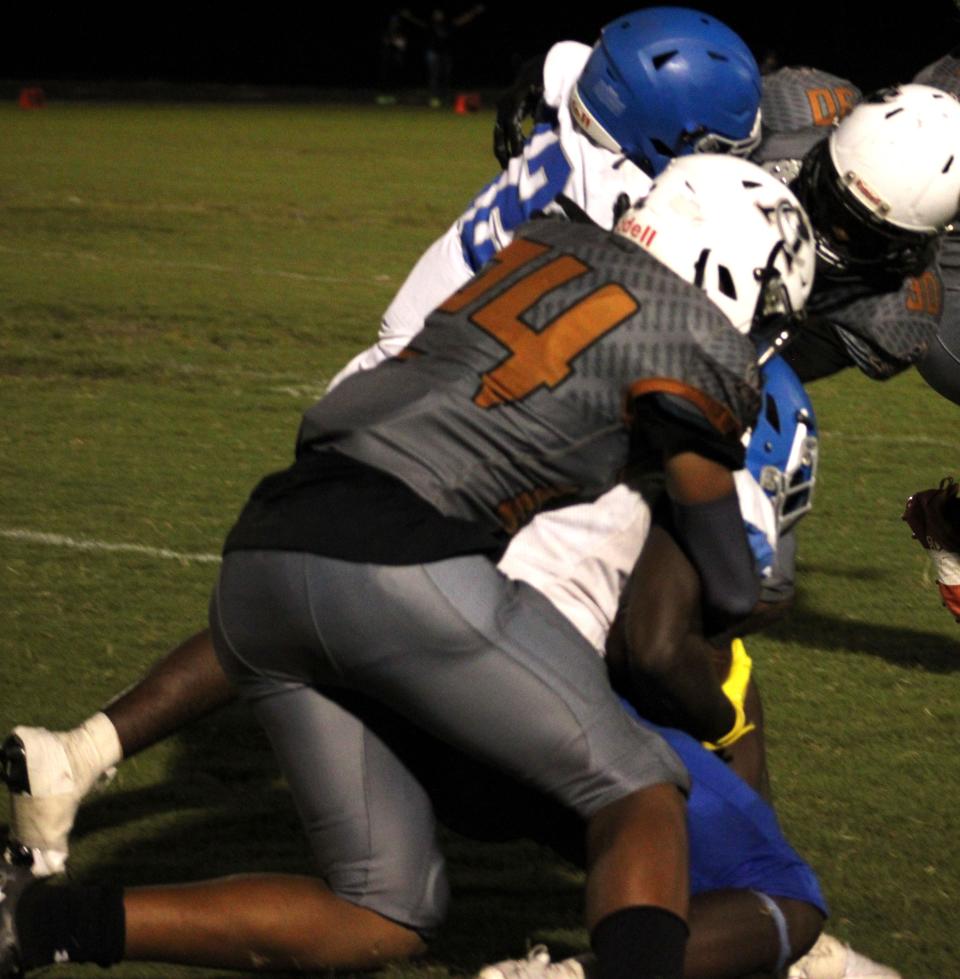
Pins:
x: 881, y: 189
x: 704, y: 86
x: 546, y: 363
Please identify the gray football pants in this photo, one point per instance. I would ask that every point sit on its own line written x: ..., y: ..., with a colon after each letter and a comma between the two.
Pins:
x: 476, y: 660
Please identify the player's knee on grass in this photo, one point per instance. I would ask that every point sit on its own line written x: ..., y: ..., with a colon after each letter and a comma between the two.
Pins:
x: 407, y: 885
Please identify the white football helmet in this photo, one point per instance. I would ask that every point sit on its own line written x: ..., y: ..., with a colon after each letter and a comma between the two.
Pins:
x: 886, y: 182
x: 739, y: 234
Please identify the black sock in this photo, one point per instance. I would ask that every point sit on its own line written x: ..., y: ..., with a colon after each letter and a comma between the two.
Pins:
x: 70, y: 923
x: 642, y: 942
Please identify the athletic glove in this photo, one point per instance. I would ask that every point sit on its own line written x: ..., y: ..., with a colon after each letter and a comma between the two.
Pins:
x: 735, y: 688
x: 933, y: 516
x: 517, y: 104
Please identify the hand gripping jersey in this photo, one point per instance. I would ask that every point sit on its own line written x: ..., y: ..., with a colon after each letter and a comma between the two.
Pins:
x: 517, y: 392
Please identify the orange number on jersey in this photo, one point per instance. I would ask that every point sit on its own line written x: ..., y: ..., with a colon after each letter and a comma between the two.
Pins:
x: 925, y: 294
x: 830, y: 105
x: 542, y: 357
x: 846, y: 100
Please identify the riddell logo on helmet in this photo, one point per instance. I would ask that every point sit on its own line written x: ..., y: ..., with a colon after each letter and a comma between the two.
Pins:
x: 642, y: 234
x: 579, y: 116
x: 868, y: 193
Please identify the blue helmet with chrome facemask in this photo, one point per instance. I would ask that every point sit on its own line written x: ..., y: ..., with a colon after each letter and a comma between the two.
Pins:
x: 782, y: 453
x: 666, y: 81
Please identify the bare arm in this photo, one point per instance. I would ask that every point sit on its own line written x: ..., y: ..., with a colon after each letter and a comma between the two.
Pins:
x: 696, y: 566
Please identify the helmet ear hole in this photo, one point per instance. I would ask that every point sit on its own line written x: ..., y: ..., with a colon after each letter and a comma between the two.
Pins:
x: 725, y: 282
x: 772, y: 413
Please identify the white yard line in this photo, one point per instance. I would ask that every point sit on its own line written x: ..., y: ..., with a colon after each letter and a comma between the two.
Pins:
x: 161, y: 553
x: 91, y: 544
x: 94, y: 258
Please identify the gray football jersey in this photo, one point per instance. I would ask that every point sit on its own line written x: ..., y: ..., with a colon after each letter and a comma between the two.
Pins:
x: 518, y: 391
x: 798, y: 98
x: 940, y: 367
x: 883, y: 332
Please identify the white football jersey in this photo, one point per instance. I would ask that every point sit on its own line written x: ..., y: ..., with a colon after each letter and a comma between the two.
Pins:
x: 557, y: 159
x: 581, y: 556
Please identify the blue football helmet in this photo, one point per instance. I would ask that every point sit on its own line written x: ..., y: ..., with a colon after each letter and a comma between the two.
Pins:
x: 666, y: 81
x: 782, y: 453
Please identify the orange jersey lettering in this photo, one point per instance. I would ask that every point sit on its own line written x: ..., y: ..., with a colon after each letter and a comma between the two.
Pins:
x: 925, y: 294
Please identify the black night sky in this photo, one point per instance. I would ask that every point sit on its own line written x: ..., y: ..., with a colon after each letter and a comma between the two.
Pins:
x: 334, y: 46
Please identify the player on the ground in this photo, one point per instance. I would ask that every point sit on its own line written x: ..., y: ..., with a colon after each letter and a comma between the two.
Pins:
x: 522, y: 354
x: 747, y: 884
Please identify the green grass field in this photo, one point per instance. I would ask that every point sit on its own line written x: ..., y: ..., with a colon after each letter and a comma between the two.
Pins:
x: 176, y: 285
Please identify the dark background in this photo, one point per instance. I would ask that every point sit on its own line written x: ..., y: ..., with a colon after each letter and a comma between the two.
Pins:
x: 337, y: 45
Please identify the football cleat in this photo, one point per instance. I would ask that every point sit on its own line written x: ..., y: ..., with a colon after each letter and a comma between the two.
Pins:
x: 48, y: 774
x: 15, y: 878
x: 537, y: 965
x: 832, y: 959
